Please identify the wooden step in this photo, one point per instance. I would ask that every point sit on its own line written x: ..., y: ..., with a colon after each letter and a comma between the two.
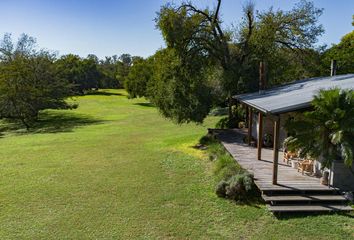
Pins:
x: 309, y: 208
x: 305, y: 197
x: 294, y: 187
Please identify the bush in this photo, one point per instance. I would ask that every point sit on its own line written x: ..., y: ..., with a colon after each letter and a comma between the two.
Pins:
x: 221, y: 189
x: 234, y: 182
x: 236, y: 187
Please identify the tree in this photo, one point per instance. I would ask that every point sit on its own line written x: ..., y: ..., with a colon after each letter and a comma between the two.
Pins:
x: 81, y: 73
x: 179, y: 90
x: 108, y: 69
x: 123, y: 67
x: 197, y: 35
x: 285, y: 41
x: 326, y: 133
x: 29, y: 81
x: 343, y: 53
x: 139, y: 75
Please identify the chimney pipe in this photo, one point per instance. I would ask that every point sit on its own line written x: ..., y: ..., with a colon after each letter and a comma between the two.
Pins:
x: 333, y: 67
x: 262, y: 77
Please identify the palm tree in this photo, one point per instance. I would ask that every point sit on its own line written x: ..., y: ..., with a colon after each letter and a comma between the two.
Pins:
x: 327, y: 132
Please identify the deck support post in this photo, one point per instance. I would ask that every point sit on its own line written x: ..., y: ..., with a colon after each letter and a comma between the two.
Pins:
x: 276, y: 149
x: 250, y: 113
x: 260, y: 136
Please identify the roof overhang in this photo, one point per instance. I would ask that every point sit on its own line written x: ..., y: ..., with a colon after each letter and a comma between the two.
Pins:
x: 293, y: 96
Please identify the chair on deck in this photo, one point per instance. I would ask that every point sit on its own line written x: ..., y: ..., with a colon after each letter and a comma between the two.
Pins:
x: 305, y: 166
x: 288, y: 156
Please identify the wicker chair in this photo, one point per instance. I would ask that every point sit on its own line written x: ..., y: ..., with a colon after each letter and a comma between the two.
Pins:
x: 305, y: 166
x: 288, y: 156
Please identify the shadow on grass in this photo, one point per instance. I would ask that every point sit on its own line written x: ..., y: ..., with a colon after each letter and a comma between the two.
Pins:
x: 146, y: 104
x: 103, y: 93
x: 50, y: 122
x: 253, y: 199
x: 290, y: 215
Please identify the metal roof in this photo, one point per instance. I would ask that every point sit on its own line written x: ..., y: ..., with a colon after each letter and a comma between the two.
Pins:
x: 294, y: 96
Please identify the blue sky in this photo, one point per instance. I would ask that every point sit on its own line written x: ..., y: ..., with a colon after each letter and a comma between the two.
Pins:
x: 108, y: 27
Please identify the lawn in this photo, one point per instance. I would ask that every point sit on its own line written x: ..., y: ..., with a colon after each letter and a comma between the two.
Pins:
x: 115, y: 169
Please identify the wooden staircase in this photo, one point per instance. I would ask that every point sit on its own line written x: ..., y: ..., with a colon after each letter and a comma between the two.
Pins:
x: 305, y: 200
x: 293, y: 192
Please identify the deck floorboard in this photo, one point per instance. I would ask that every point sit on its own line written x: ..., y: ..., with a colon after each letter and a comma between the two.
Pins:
x: 288, y: 177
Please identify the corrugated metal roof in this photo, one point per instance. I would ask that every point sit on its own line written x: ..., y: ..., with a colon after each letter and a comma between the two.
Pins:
x: 294, y: 96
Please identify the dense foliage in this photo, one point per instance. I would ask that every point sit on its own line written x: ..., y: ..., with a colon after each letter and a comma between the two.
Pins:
x: 179, y: 89
x: 326, y: 132
x: 91, y: 73
x: 29, y: 81
x: 32, y: 80
x: 205, y: 63
x: 343, y: 53
x: 139, y: 75
x: 81, y: 73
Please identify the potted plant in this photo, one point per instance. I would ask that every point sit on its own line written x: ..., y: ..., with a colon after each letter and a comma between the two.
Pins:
x: 268, y: 140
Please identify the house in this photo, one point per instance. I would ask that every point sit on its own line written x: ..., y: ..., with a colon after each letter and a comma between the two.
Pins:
x: 269, y: 109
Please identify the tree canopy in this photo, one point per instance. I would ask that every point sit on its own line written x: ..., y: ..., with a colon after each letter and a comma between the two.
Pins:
x: 138, y: 77
x: 178, y: 89
x: 210, y: 56
x: 29, y: 81
x: 343, y: 53
x: 81, y: 73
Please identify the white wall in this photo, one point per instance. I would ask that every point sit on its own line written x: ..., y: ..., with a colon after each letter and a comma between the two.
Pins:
x: 268, y: 127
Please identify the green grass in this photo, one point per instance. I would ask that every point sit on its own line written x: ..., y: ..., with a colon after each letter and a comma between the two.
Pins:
x: 115, y: 169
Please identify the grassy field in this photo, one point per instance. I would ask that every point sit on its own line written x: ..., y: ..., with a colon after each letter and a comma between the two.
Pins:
x: 115, y: 169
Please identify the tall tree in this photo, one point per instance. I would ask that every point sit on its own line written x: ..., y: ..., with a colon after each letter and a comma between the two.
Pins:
x: 29, y: 81
x: 81, y: 73
x: 179, y: 90
x: 123, y: 67
x: 139, y: 75
x: 198, y: 35
x: 108, y: 69
x: 343, y: 53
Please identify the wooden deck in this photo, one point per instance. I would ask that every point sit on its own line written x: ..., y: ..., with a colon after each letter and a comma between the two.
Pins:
x: 246, y: 156
x: 294, y: 192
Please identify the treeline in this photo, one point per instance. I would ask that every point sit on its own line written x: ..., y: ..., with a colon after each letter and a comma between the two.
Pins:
x: 204, y: 63
x: 34, y: 79
x: 92, y: 73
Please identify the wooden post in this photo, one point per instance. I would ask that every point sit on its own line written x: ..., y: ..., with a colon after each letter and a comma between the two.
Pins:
x: 262, y: 77
x: 260, y: 136
x: 276, y: 149
x: 249, y: 125
x: 333, y: 67
x: 246, y: 120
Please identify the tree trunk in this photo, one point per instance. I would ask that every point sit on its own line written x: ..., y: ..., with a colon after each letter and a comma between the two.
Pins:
x: 25, y: 123
x: 230, y: 109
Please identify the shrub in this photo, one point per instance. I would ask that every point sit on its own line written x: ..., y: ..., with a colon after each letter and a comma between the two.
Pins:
x: 234, y: 182
x: 237, y: 187
x: 221, y: 189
